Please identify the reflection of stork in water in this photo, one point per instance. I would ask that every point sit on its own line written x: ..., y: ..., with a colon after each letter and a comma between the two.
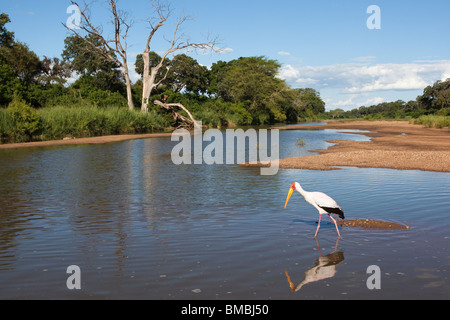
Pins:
x: 324, y: 268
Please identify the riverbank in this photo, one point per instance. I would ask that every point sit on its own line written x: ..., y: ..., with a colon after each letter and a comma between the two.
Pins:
x: 394, y: 145
x: 90, y: 140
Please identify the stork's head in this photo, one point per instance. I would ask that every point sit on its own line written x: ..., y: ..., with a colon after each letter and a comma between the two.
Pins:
x: 294, y: 186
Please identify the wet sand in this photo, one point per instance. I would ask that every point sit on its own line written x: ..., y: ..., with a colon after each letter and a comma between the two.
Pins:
x: 90, y: 140
x: 394, y: 144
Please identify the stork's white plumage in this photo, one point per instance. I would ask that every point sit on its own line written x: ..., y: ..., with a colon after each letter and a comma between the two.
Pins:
x: 322, y: 202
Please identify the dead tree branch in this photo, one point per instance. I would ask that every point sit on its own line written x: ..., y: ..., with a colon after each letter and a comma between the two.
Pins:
x: 106, y: 50
x: 177, y: 43
x: 176, y: 115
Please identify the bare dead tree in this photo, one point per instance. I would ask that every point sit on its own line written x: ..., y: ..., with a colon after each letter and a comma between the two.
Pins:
x: 108, y: 48
x: 178, y: 42
x: 118, y: 46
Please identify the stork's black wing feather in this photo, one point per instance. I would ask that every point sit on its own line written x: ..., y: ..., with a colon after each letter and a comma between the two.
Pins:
x: 337, y: 211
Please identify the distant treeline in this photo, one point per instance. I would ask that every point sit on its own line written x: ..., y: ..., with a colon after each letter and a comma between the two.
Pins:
x: 433, y: 103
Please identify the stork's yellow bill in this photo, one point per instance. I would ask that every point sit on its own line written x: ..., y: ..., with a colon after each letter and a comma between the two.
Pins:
x: 288, y: 196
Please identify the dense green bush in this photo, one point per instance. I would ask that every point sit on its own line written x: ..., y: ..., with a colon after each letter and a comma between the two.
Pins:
x: 25, y: 120
x: 239, y: 115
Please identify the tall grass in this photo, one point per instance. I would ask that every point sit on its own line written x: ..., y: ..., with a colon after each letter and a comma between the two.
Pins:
x: 432, y: 121
x: 60, y: 121
x: 88, y: 122
x: 7, y: 126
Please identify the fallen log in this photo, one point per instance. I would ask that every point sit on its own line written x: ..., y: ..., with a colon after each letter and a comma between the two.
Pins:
x: 177, y: 116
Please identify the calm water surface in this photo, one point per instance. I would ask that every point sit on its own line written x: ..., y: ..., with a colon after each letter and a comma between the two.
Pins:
x: 140, y: 227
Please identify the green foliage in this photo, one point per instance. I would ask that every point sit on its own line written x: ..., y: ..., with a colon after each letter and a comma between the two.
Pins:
x: 303, y: 105
x: 436, y: 97
x: 25, y: 64
x: 238, y: 114
x: 7, y: 126
x: 25, y: 119
x: 20, y: 122
x: 300, y: 142
x: 433, y: 121
x: 54, y: 71
x: 155, y: 59
x: 249, y: 79
x: 187, y: 74
x: 96, y: 71
x: 6, y: 37
x: 81, y: 57
x: 9, y: 84
x: 78, y: 122
x: 252, y: 82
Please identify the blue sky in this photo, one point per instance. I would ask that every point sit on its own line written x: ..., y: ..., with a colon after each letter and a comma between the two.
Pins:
x: 325, y: 45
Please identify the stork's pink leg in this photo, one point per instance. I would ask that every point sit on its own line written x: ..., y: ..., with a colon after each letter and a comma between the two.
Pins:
x: 317, y: 230
x: 335, y: 224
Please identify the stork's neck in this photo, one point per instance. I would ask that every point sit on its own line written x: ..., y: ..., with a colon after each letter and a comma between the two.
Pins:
x: 299, y: 188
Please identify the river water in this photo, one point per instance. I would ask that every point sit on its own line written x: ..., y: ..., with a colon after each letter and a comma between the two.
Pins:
x: 140, y: 227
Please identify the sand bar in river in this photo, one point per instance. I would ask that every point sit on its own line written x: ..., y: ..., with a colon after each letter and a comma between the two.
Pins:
x: 394, y: 144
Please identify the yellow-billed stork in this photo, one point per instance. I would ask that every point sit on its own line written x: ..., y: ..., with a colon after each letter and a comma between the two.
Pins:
x: 322, y: 202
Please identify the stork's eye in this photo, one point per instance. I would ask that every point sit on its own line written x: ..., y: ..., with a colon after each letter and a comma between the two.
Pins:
x: 293, y: 186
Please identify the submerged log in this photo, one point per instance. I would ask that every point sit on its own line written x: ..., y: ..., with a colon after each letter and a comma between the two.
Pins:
x: 372, y: 224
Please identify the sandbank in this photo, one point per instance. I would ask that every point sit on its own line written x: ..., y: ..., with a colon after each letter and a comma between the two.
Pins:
x: 89, y: 140
x: 393, y: 144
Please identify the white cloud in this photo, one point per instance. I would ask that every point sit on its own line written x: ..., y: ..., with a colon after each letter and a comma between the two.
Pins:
x: 353, y: 100
x: 208, y: 51
x: 364, y: 59
x: 283, y: 53
x: 366, y: 77
x: 226, y: 50
x: 134, y: 76
x: 289, y: 73
x: 363, y: 82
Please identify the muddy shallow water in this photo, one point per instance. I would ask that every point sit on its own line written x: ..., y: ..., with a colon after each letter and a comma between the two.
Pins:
x: 140, y: 227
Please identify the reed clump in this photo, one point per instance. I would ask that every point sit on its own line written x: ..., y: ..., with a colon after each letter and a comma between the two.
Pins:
x: 432, y: 121
x: 58, y: 122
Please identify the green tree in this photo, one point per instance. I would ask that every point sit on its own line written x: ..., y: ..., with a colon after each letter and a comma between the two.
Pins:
x: 20, y: 67
x: 9, y: 83
x: 436, y: 97
x: 250, y: 79
x: 25, y: 63
x: 154, y: 60
x: 82, y: 58
x: 6, y: 37
x: 54, y: 71
x: 216, y: 75
x: 310, y: 99
x: 337, y: 113
x: 186, y: 73
x: 91, y: 65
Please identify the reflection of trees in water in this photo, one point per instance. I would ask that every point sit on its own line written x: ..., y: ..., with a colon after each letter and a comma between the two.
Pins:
x: 324, y: 268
